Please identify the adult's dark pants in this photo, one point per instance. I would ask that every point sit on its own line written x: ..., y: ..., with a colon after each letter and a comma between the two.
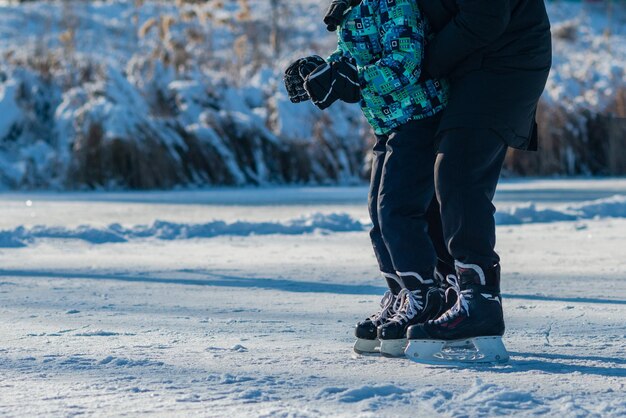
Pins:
x: 411, y: 176
x: 467, y: 169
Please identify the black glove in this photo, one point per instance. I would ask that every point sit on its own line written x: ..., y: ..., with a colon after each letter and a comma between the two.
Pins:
x: 347, y: 85
x: 335, y: 12
x: 295, y: 75
x: 294, y: 83
x: 309, y: 64
x: 335, y: 81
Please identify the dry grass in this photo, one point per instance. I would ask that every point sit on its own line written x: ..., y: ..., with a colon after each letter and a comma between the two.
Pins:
x: 144, y: 164
x: 584, y: 143
x: 567, y: 30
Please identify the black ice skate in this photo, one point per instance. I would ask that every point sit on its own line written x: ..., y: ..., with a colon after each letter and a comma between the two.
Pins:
x: 366, y: 331
x: 471, y: 330
x: 416, y: 307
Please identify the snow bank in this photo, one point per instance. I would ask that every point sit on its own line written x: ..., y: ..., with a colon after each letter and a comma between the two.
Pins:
x: 115, y: 233
x: 152, y: 95
x: 581, y: 116
x: 614, y: 207
x: 156, y: 94
x: 589, y: 47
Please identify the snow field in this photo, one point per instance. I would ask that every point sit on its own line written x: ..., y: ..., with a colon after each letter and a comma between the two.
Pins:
x: 261, y: 325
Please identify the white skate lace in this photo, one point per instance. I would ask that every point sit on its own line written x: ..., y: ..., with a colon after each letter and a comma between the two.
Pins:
x: 411, y: 304
x: 388, y: 305
x: 461, y: 305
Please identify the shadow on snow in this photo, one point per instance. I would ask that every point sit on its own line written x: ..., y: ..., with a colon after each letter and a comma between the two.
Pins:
x: 561, y: 364
x: 287, y: 285
x: 214, y: 280
x: 521, y: 361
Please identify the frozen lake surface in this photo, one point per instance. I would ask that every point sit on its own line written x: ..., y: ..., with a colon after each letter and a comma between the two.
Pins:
x: 242, y: 302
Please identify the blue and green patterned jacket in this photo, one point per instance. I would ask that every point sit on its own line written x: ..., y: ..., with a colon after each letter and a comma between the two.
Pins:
x: 386, y: 39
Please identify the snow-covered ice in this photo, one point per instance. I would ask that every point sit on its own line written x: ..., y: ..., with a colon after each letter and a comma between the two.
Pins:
x: 260, y: 324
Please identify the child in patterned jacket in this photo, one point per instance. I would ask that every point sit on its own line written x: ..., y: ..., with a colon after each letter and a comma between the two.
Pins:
x: 378, y: 64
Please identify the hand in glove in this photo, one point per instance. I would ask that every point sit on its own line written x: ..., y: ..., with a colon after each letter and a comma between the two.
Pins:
x: 335, y: 81
x: 309, y: 64
x: 336, y: 11
x: 295, y: 74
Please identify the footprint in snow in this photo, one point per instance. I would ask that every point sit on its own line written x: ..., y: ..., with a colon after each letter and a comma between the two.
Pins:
x: 253, y: 396
x: 101, y: 333
x: 229, y: 379
x: 124, y: 362
x: 360, y: 394
x: 236, y: 348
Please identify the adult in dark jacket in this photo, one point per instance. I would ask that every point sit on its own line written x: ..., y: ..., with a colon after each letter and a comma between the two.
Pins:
x: 497, y: 56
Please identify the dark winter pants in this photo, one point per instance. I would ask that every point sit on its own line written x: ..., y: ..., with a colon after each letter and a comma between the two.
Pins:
x: 407, y: 233
x: 467, y: 170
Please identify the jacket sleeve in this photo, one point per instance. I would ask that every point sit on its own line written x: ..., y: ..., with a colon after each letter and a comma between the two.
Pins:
x: 402, y: 38
x: 335, y: 56
x: 339, y: 52
x: 476, y: 25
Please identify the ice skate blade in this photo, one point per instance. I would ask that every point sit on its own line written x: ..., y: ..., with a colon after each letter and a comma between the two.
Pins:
x: 393, y: 348
x: 478, y: 350
x: 365, y: 347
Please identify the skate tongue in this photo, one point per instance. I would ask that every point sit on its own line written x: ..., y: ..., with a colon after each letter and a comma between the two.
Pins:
x: 461, y: 305
x: 468, y: 276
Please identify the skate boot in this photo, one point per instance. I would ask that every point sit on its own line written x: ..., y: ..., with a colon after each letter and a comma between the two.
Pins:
x: 416, y: 307
x: 471, y: 330
x: 366, y: 331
